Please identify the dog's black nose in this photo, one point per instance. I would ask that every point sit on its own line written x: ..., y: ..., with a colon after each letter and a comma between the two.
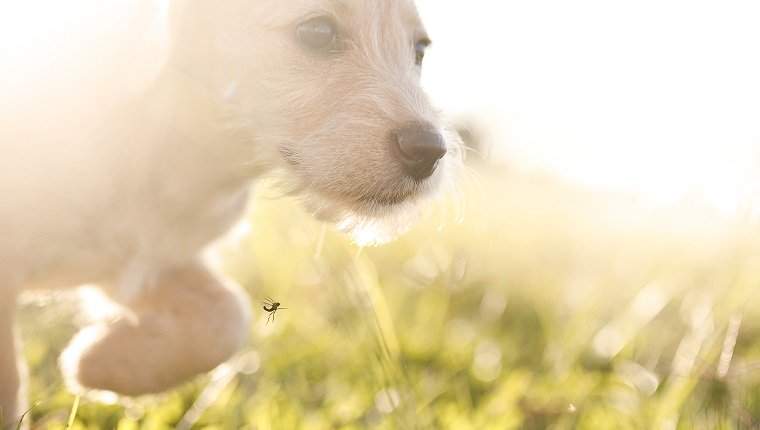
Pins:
x: 419, y: 150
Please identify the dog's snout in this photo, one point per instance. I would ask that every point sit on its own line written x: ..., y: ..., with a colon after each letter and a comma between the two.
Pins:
x: 419, y: 150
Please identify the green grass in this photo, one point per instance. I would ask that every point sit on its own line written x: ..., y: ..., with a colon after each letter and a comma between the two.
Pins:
x: 547, y: 307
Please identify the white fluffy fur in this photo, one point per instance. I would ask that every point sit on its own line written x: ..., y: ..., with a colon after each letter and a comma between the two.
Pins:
x: 125, y: 195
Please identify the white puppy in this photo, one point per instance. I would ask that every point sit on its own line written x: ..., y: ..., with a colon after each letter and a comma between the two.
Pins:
x: 324, y: 93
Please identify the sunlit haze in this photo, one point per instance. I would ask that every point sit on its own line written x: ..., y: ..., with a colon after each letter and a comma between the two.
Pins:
x: 658, y: 98
x: 198, y: 165
x: 77, y: 48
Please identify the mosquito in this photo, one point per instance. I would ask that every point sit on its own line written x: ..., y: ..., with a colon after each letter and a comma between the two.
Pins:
x: 271, y: 306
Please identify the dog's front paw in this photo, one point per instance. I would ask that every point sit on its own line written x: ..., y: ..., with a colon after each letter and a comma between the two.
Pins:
x: 167, y: 343
x: 130, y: 358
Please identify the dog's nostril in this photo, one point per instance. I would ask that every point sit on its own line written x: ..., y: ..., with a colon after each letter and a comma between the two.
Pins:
x: 419, y: 151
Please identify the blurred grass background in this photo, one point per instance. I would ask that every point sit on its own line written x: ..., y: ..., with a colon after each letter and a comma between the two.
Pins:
x: 546, y: 306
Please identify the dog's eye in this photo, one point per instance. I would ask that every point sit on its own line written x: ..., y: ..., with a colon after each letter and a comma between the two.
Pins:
x: 419, y: 51
x: 316, y: 33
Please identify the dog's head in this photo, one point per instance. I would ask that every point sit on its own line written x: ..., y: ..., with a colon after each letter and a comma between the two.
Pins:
x: 329, y: 92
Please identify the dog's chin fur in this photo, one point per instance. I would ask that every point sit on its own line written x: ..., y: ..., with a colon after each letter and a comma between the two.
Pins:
x: 368, y: 223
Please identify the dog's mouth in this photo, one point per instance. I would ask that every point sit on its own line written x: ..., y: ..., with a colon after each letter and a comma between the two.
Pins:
x: 376, y: 205
x: 370, y: 205
x: 366, y: 199
x: 372, y: 218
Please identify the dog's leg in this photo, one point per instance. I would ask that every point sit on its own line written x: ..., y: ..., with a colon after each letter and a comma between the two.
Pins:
x: 187, y: 323
x: 12, y: 395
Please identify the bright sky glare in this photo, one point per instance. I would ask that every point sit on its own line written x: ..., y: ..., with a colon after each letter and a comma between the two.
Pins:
x: 657, y: 97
